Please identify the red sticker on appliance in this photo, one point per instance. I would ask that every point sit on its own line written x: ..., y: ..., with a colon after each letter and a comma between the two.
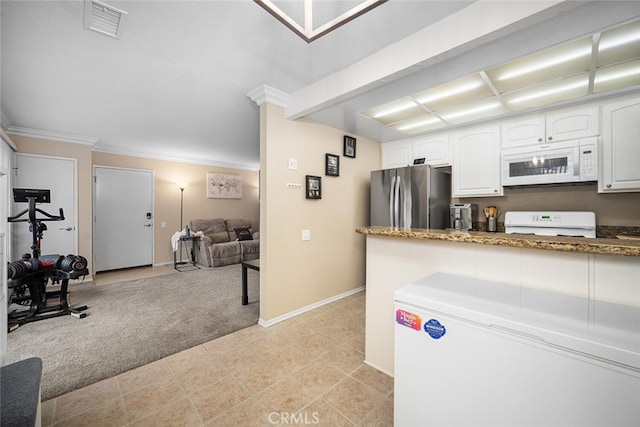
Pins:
x: 408, y: 319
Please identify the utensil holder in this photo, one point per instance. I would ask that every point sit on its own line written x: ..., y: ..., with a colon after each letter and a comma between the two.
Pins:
x: 492, y: 224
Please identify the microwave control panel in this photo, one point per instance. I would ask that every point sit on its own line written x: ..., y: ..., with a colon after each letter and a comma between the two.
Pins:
x: 588, y: 162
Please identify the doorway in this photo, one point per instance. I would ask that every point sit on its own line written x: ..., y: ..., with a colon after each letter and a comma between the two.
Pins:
x: 122, y: 218
x: 58, y: 175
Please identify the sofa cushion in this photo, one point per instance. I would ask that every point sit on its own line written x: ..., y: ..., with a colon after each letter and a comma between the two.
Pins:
x: 250, y: 249
x: 232, y: 224
x: 215, y: 229
x: 225, y: 254
x: 243, y: 234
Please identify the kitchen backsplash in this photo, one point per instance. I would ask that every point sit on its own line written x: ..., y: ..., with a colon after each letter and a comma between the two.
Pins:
x: 612, y: 210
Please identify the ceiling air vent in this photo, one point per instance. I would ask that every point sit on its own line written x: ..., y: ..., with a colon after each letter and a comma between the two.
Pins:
x: 103, y: 18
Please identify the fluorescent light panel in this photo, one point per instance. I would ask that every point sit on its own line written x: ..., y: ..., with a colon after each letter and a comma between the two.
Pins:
x: 395, y: 109
x: 472, y: 110
x: 558, y: 74
x: 455, y: 90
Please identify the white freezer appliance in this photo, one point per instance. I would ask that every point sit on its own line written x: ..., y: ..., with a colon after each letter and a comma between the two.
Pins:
x: 476, y: 353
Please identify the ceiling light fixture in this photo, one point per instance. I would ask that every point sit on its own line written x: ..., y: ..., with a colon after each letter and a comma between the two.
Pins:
x: 553, y: 91
x: 470, y: 111
x: 610, y: 43
x: 604, y: 76
x: 550, y: 62
x: 602, y: 62
x: 394, y: 110
x: 451, y: 92
x: 424, y: 122
x: 308, y: 33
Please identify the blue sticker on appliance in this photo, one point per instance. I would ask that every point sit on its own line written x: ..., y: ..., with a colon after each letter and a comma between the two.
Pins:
x: 435, y: 329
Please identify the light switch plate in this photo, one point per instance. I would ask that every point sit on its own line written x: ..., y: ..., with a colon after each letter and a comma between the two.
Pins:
x: 293, y: 164
x: 306, y: 235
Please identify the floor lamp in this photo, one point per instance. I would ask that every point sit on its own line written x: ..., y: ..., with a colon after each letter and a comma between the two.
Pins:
x: 182, y: 186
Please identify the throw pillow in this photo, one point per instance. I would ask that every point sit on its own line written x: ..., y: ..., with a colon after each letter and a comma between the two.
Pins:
x: 243, y: 234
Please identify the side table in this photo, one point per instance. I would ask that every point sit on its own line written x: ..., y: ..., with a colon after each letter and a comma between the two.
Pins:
x: 182, y: 244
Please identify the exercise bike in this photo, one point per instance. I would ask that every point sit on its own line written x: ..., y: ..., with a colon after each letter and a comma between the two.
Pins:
x: 29, y: 276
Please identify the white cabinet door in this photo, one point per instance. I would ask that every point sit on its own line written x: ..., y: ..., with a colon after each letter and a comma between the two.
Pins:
x: 620, y: 147
x: 396, y: 154
x: 435, y: 149
x: 476, y: 162
x: 523, y: 131
x: 573, y: 124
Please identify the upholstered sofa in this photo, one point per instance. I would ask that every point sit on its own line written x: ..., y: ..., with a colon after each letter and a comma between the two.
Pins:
x: 222, y: 241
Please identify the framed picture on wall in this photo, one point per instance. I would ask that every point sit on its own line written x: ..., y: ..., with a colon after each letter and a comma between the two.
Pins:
x: 332, y: 165
x: 314, y: 187
x: 223, y: 186
x: 349, y: 146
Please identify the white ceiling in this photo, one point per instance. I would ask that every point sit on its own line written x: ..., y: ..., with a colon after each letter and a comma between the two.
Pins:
x: 175, y: 84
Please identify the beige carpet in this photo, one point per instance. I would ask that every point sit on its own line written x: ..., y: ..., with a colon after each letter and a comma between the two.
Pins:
x: 130, y: 324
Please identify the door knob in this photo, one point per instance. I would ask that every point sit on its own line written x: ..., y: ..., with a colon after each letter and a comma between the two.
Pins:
x: 66, y: 228
x: 147, y: 225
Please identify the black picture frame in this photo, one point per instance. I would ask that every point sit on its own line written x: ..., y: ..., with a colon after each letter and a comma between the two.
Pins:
x: 331, y: 164
x: 349, y: 146
x: 313, y: 187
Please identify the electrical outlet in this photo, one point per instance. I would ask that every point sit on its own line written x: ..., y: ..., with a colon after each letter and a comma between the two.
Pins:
x: 293, y: 164
x: 294, y: 185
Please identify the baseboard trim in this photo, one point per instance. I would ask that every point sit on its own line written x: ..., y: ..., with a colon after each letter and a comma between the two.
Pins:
x: 294, y: 313
x: 374, y: 366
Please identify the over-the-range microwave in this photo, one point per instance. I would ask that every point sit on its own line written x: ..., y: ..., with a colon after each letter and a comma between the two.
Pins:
x: 552, y: 163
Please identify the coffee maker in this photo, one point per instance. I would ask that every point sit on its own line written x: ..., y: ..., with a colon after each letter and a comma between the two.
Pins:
x: 461, y: 216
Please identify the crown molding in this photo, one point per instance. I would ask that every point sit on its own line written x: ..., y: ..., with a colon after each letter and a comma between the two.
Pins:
x: 6, y: 138
x: 51, y: 135
x: 173, y: 158
x: 270, y: 95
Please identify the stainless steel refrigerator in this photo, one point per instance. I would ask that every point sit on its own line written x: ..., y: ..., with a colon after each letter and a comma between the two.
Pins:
x: 411, y: 197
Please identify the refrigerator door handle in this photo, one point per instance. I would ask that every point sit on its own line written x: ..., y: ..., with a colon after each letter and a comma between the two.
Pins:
x: 396, y: 204
x: 391, y: 200
x: 407, y: 207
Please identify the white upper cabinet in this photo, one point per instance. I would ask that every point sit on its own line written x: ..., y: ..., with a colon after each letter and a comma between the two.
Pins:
x: 562, y: 125
x: 523, y: 131
x: 573, y: 124
x: 435, y: 149
x: 396, y: 154
x: 620, y: 147
x: 476, y: 168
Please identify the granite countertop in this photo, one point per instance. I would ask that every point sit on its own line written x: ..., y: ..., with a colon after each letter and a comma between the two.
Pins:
x: 602, y: 246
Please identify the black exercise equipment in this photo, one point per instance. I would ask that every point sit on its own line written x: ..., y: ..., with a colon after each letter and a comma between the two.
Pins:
x: 29, y: 276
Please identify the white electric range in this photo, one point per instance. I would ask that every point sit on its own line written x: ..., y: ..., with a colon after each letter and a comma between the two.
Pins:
x: 551, y: 223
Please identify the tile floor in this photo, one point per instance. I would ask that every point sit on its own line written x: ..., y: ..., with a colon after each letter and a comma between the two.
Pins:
x: 307, y: 370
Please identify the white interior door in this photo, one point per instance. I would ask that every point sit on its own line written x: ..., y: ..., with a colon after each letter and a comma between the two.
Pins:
x: 123, y: 218
x: 59, y: 176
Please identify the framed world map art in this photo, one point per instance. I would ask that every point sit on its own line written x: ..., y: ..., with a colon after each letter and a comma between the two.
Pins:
x: 223, y: 186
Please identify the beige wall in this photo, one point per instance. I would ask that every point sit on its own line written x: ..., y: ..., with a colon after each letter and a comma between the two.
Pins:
x: 196, y: 204
x: 621, y: 209
x: 167, y: 194
x: 85, y: 190
x: 296, y: 273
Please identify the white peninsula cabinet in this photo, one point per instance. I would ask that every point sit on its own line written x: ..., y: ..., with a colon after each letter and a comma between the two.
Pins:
x: 476, y: 168
x: 620, y: 153
x: 435, y: 149
x: 561, y: 125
